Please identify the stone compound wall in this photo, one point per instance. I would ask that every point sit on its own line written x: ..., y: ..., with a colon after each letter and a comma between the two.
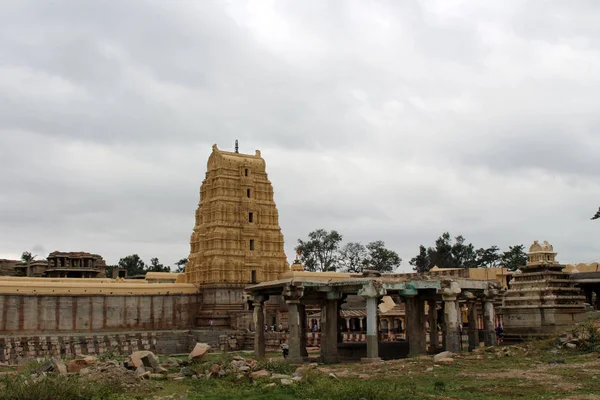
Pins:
x: 16, y: 348
x: 39, y: 314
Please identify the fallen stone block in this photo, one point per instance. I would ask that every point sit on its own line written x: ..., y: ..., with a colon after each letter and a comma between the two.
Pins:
x: 59, y: 366
x: 445, y: 361
x: 260, y: 374
x: 199, y: 351
x: 442, y: 355
x: 76, y: 365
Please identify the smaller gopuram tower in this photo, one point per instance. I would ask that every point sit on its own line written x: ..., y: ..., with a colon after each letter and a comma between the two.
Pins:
x: 236, y: 240
x: 542, y: 300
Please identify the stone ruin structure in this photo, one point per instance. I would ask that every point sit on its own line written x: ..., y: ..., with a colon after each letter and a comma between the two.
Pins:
x: 236, y: 239
x: 542, y: 299
x: 329, y: 291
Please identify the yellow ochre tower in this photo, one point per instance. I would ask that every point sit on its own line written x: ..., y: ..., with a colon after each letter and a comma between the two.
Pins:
x: 236, y: 240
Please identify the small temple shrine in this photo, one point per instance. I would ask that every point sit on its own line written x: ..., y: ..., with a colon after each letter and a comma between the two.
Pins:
x: 542, y: 299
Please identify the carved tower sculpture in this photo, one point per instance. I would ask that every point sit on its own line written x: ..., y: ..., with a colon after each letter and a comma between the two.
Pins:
x: 236, y: 240
x: 542, y: 300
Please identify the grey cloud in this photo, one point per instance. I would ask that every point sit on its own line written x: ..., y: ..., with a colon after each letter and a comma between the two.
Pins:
x: 390, y: 120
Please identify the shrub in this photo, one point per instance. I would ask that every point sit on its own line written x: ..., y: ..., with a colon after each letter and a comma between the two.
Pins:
x: 277, y: 366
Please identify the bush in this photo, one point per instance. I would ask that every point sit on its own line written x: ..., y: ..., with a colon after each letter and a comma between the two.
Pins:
x: 588, y: 335
x: 21, y: 387
x: 277, y: 366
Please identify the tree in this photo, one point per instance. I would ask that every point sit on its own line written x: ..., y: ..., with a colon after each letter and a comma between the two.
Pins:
x: 352, y: 257
x: 514, y: 258
x: 319, y: 252
x: 133, y: 264
x: 597, y: 215
x: 156, y: 266
x: 27, y: 257
x: 421, y: 262
x: 489, y: 258
x: 181, y: 265
x: 381, y: 259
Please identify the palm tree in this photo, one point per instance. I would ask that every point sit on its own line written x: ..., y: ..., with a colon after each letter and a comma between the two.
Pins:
x: 27, y: 258
x: 597, y: 215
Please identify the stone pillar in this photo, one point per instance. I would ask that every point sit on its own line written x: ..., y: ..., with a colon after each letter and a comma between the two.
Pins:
x: 390, y: 324
x: 329, y: 331
x: 348, y: 324
x: 415, y: 326
x: 296, y: 338
x: 360, y: 323
x: 372, y: 335
x: 473, y: 331
x: 434, y: 337
x: 452, y: 334
x: 259, y: 327
x: 489, y: 332
x: 303, y: 327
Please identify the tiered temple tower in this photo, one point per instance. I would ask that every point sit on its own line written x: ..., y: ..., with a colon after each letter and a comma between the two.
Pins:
x: 236, y: 240
x: 542, y: 300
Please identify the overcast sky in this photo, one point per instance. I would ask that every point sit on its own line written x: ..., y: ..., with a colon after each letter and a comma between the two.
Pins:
x: 390, y: 120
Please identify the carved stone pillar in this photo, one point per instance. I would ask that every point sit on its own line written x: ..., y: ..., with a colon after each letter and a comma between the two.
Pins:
x: 473, y: 332
x: 259, y: 324
x: 434, y: 338
x: 415, y: 326
x: 488, y: 322
x: 372, y: 292
x: 451, y: 317
x: 329, y: 329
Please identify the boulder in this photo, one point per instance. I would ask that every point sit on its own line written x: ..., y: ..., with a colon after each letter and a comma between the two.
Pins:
x: 48, y: 366
x: 140, y: 371
x: 260, y: 374
x: 85, y: 371
x: 76, y: 365
x: 571, y: 346
x: 59, y: 366
x: 151, y: 361
x: 199, y: 351
x: 442, y: 355
x: 214, y: 369
x: 287, y: 382
x: 445, y: 361
x: 135, y: 359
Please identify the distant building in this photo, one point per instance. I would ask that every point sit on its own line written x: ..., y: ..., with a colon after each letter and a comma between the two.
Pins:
x: 7, y: 267
x: 75, y: 265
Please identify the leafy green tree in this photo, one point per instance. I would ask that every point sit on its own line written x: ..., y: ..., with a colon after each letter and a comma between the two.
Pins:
x: 489, y: 258
x: 27, y: 257
x: 421, y: 262
x: 156, y: 266
x: 352, y: 257
x: 514, y: 258
x: 381, y: 259
x: 133, y: 264
x: 319, y: 252
x: 181, y: 265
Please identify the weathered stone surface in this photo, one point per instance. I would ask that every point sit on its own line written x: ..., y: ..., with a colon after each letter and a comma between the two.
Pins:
x: 260, y: 374
x: 442, y: 355
x: 445, y: 361
x: 199, y: 351
x: 59, y: 366
x: 76, y: 365
x: 287, y: 382
x: 140, y: 371
x: 135, y: 359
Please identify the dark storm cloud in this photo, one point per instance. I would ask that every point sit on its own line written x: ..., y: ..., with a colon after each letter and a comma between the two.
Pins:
x: 384, y: 120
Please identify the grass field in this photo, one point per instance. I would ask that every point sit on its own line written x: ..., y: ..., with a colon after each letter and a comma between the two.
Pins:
x: 528, y: 371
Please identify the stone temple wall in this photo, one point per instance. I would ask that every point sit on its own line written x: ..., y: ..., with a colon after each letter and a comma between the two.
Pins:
x: 39, y: 314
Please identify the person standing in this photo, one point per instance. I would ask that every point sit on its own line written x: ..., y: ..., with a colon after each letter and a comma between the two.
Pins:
x: 211, y: 324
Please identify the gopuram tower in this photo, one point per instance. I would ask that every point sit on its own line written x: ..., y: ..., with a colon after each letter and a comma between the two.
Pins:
x: 236, y: 240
